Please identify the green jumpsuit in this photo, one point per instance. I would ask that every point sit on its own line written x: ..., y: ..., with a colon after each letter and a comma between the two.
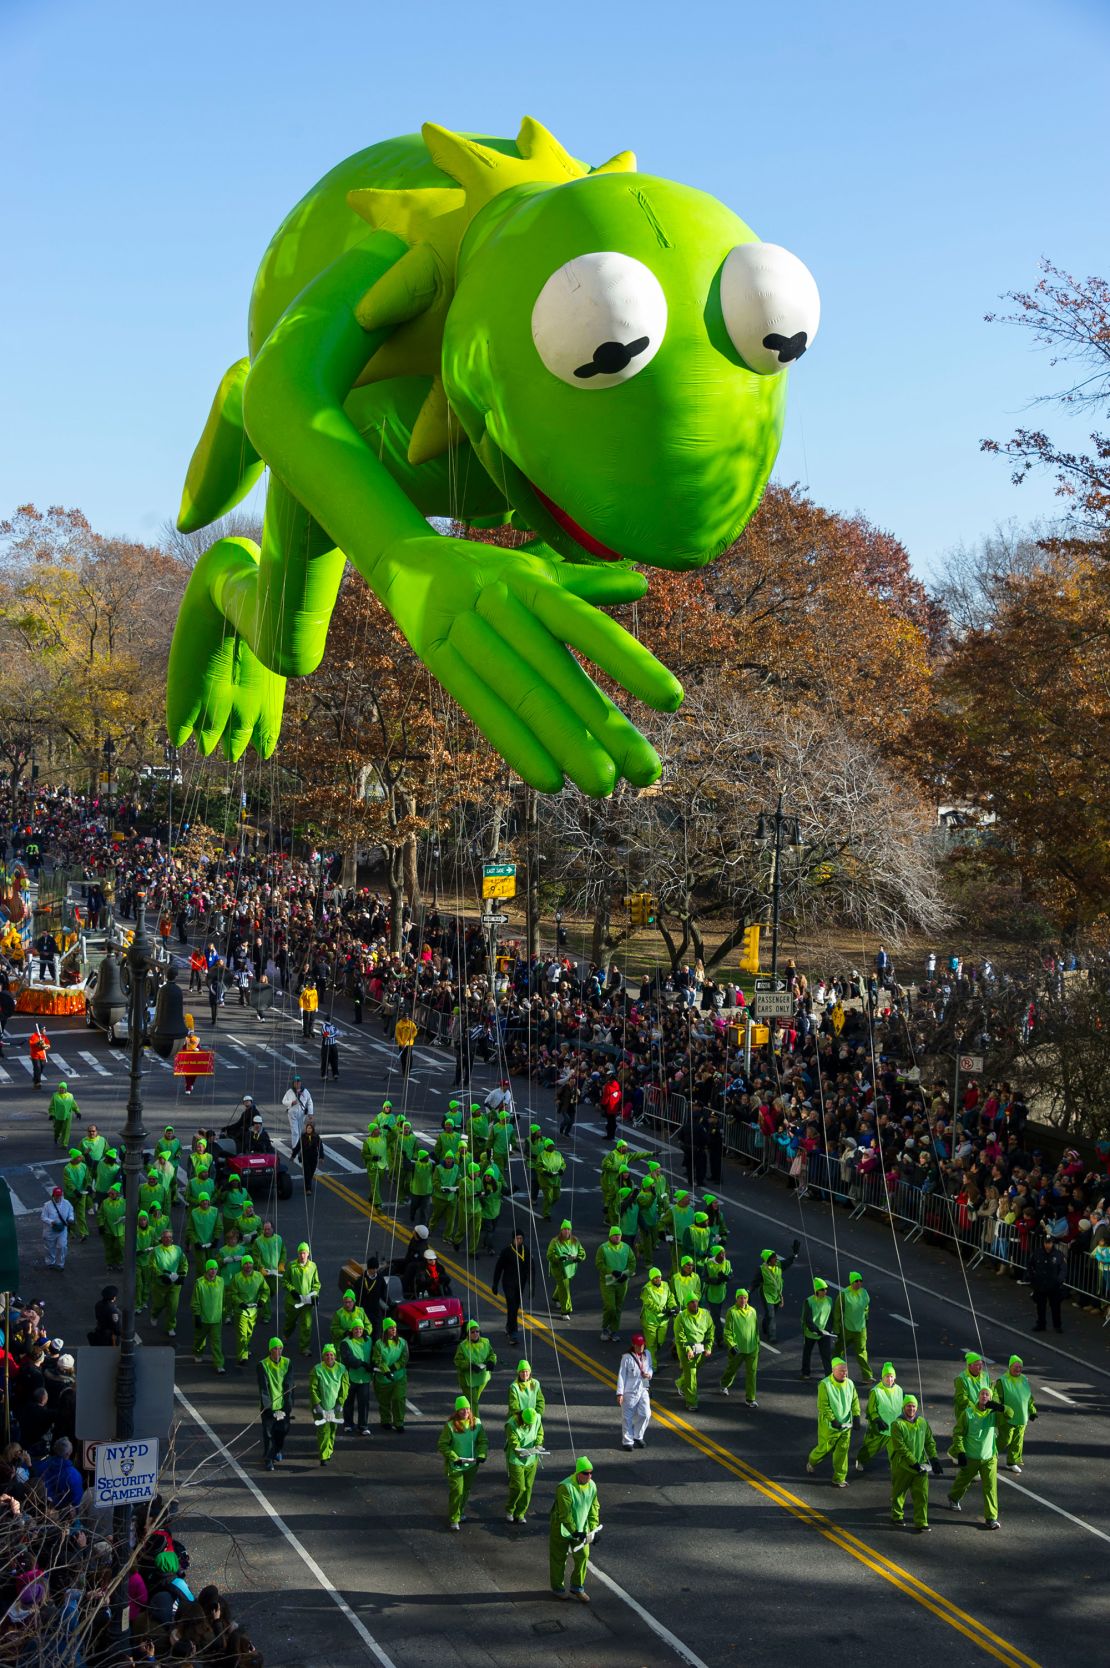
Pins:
x: 1013, y: 1396
x: 912, y: 1450
x: 685, y: 1286
x: 884, y: 1405
x: 269, y: 1254
x: 146, y: 1238
x: 328, y: 1385
x: 170, y: 1267
x: 965, y: 1388
x: 344, y: 1321
x: 976, y: 1438
x: 681, y: 1218
x: 111, y: 1220
x: 850, y: 1326
x: 491, y: 1209
x: 208, y: 1318
x: 61, y: 1112
x: 615, y: 1264
x: 474, y: 1364
x: 575, y: 1513
x: 526, y: 1395
x: 694, y: 1337
x: 445, y: 1187
x: 246, y: 1293
x: 550, y: 1171
x: 76, y: 1185
x: 390, y: 1361
x: 523, y: 1432
x: 420, y: 1187
x: 837, y: 1407
x: 376, y: 1159
x: 741, y: 1334
x: 656, y: 1303
x: 715, y: 1276
x: 302, y: 1282
x: 463, y: 1451
x: 563, y: 1258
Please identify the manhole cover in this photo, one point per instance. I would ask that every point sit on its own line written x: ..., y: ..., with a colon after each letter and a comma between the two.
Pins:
x: 548, y: 1627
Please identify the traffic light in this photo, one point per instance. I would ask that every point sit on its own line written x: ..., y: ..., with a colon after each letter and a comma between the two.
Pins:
x: 642, y: 909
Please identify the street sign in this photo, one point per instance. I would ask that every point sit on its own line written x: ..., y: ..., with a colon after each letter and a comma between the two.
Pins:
x: 971, y: 1063
x: 499, y: 880
x: 496, y: 920
x: 765, y: 983
x: 837, y: 1017
x: 126, y: 1472
x: 772, y: 1004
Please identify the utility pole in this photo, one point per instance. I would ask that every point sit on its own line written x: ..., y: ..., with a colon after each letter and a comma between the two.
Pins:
x: 782, y: 830
x: 139, y: 960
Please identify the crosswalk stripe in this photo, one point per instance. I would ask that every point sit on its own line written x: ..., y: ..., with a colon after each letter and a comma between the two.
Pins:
x: 91, y: 1060
x: 63, y: 1065
x: 4, y: 1077
x: 26, y: 1064
x: 149, y: 1054
x: 18, y: 1207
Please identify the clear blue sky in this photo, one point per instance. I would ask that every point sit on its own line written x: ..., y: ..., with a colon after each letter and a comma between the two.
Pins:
x: 919, y: 159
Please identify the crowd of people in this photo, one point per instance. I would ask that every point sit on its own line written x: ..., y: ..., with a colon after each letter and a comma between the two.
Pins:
x: 836, y: 1097
x: 58, y: 1582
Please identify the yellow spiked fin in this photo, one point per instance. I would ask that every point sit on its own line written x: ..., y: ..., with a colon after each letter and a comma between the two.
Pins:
x: 540, y: 147
x: 407, y: 214
x: 623, y: 163
x: 431, y: 433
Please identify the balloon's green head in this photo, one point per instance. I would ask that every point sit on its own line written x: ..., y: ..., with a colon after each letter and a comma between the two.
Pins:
x: 616, y: 350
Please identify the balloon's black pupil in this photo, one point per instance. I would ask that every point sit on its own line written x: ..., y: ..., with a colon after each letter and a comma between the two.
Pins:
x: 611, y: 357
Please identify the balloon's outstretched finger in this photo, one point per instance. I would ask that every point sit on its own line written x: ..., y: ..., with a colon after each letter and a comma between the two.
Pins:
x: 501, y: 727
x: 537, y: 705
x: 606, y: 643
x: 610, y: 586
x: 631, y: 752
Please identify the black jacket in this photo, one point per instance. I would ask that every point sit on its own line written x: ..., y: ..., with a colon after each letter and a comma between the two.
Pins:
x: 513, y: 1267
x: 1047, y: 1269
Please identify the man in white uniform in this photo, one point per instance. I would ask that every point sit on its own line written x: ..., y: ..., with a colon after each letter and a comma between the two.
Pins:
x: 634, y: 1391
x: 57, y: 1220
x: 298, y: 1103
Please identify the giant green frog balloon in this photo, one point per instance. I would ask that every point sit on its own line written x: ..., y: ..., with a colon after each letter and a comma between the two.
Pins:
x: 486, y: 329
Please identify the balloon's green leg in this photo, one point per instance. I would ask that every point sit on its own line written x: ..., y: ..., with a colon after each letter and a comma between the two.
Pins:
x: 224, y: 465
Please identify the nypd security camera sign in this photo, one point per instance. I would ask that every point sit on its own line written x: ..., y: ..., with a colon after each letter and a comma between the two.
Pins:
x: 126, y: 1472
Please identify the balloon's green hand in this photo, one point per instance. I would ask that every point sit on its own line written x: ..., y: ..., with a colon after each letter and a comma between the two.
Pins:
x: 446, y: 327
x: 493, y: 626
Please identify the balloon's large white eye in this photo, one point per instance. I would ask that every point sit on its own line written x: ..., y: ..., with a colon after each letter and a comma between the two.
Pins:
x: 771, y: 306
x: 599, y: 319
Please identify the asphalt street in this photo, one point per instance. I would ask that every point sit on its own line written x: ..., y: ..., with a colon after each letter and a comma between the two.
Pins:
x: 716, y: 1544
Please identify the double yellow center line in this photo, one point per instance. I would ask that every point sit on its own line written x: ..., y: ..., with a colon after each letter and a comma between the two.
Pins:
x: 978, y: 1633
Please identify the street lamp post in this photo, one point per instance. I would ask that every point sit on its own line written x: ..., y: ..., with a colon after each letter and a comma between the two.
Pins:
x: 139, y: 961
x: 169, y: 753
x: 782, y: 828
x: 109, y: 755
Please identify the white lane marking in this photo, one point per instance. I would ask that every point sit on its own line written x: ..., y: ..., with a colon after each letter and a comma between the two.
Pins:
x: 683, y: 1652
x: 341, y: 1159
x: 1040, y: 1499
x: 302, y: 1551
x: 26, y: 1064
x: 149, y: 1055
x: 64, y: 1066
x: 905, y: 1321
x: 238, y: 1047
x: 1059, y: 1394
x: 415, y: 1411
x: 763, y: 1344
x: 91, y: 1060
x: 18, y: 1207
x: 4, y: 1078
x: 869, y: 1262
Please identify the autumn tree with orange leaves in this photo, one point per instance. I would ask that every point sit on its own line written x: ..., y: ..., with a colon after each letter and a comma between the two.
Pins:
x: 381, y: 755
